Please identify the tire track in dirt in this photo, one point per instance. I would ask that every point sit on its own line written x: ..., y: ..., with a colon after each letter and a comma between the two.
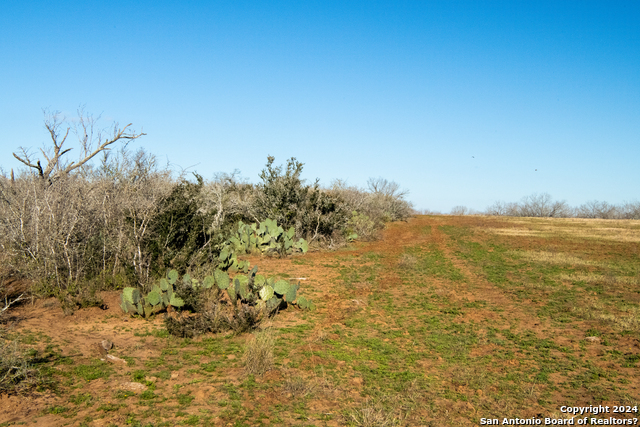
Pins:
x: 393, y: 241
x: 524, y: 318
x: 516, y: 316
x: 480, y: 289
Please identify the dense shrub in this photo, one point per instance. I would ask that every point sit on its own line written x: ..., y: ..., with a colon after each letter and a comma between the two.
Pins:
x: 282, y: 194
x: 371, y: 209
x: 284, y: 197
x: 228, y: 199
x: 361, y: 226
x: 88, y: 224
x: 179, y: 234
x: 388, y: 201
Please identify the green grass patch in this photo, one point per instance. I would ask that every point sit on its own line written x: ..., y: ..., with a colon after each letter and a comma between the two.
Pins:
x: 93, y: 371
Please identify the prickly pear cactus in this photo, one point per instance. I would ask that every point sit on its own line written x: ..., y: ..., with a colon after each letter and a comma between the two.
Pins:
x: 172, y: 276
x: 208, y: 282
x: 154, y: 297
x: 292, y: 292
x: 159, y: 298
x: 281, y: 287
x: 129, y: 299
x: 303, y: 302
x: 247, y: 289
x: 221, y: 279
x: 266, y: 293
x: 266, y: 237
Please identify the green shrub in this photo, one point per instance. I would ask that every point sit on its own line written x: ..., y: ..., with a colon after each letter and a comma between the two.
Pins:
x: 179, y: 232
x: 360, y: 226
x: 284, y: 197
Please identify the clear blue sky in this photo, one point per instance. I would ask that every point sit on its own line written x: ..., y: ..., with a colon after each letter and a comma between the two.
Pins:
x: 458, y: 101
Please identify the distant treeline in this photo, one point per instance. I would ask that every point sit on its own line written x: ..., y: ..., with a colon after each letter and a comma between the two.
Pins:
x: 543, y: 206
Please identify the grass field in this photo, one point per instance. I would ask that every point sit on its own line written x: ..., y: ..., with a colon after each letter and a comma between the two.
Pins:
x: 445, y: 321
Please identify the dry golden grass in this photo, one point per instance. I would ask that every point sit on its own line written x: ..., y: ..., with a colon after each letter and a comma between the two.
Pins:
x: 407, y: 261
x: 601, y: 278
x: 295, y: 385
x: 628, y: 318
x: 371, y: 414
x: 552, y: 258
x: 513, y: 231
x: 561, y: 415
x: 258, y: 356
x: 599, y: 229
x: 388, y: 410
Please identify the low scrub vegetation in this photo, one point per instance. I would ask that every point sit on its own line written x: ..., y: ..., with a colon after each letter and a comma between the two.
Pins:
x: 115, y: 217
x: 258, y: 356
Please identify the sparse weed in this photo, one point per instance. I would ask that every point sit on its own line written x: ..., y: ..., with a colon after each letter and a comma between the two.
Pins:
x: 407, y: 261
x: 17, y: 375
x: 295, y: 385
x: 371, y: 414
x: 258, y: 355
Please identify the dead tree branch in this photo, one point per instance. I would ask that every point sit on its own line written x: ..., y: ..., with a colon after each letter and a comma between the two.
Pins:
x: 8, y: 303
x: 90, y: 145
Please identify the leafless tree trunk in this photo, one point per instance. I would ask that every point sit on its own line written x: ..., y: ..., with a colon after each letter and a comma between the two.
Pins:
x: 92, y: 141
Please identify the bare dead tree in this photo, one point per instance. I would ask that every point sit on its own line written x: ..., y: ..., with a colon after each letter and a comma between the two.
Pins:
x: 459, y: 210
x: 92, y: 141
x: 630, y: 210
x: 386, y: 188
x: 543, y: 205
x: 597, y: 209
x: 9, y: 302
x: 390, y: 198
x: 354, y: 197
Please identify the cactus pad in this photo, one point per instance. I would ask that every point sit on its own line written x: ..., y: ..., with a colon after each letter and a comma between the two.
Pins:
x: 175, y: 301
x: 131, y: 295
x: 290, y: 296
x: 209, y: 281
x: 266, y: 293
x: 222, y: 279
x: 172, y: 276
x: 303, y: 303
x: 154, y: 297
x: 281, y: 287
